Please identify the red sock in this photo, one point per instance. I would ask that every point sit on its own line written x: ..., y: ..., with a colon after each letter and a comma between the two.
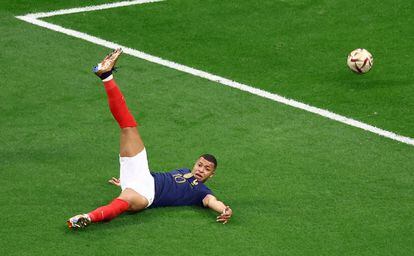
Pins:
x: 118, y: 106
x: 110, y: 211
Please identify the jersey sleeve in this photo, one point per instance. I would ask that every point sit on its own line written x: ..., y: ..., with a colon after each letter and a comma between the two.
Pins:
x: 202, y: 193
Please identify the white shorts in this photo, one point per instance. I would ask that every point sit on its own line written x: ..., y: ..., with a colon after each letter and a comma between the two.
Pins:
x: 135, y: 174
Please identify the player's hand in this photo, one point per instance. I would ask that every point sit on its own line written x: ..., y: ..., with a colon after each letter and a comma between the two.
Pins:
x: 225, y: 216
x: 115, y: 181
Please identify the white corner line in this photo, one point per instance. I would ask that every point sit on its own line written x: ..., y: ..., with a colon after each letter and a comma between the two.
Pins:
x: 89, y: 8
x: 33, y: 18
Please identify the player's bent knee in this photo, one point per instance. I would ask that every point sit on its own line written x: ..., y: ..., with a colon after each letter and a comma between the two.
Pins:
x: 136, y: 201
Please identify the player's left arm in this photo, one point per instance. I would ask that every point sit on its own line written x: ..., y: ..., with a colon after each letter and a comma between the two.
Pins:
x: 115, y: 181
x: 225, y: 211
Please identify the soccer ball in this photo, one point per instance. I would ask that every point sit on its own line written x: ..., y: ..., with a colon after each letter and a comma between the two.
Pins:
x: 360, y: 61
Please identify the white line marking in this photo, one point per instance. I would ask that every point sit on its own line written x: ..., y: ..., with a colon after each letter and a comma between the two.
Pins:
x: 33, y: 18
x: 89, y: 8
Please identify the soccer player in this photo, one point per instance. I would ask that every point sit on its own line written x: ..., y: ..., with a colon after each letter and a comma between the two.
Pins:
x: 141, y: 188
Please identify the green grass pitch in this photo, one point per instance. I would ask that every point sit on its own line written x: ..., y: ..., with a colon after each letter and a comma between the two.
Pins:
x: 298, y: 183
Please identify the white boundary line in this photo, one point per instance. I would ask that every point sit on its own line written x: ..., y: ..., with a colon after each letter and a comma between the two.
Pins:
x: 33, y: 18
x: 89, y: 8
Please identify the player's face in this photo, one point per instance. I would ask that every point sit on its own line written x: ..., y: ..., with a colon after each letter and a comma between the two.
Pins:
x: 203, y: 169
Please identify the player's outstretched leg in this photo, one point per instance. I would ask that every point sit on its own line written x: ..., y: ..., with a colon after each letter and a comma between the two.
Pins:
x: 103, y: 213
x: 131, y: 145
x: 116, y: 100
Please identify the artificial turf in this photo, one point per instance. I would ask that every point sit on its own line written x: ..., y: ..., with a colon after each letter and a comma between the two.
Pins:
x: 299, y: 184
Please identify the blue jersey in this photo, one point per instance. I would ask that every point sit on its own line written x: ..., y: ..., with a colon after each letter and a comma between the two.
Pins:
x: 177, y: 188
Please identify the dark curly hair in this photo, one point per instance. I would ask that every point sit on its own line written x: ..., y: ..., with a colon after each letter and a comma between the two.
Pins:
x: 211, y: 159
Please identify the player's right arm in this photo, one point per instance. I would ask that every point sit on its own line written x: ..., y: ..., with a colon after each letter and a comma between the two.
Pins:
x: 225, y: 211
